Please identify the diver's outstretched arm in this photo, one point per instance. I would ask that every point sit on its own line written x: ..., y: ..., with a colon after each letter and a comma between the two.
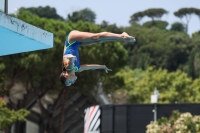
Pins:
x: 93, y: 67
x: 90, y: 38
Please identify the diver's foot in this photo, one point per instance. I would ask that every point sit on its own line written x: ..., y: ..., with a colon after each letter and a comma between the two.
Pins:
x: 128, y: 37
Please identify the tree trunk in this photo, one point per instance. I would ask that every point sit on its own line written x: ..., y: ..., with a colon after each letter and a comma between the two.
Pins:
x: 65, y: 94
x: 50, y: 120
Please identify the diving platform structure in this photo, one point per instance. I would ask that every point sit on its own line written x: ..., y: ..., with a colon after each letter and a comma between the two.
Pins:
x: 17, y: 36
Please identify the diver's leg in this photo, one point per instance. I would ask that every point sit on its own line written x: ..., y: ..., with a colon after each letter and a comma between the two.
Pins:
x: 87, y: 38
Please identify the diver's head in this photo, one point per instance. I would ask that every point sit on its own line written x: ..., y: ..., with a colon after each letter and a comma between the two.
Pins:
x: 67, y: 79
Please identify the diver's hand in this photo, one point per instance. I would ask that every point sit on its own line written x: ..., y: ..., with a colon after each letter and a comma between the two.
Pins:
x: 107, y: 69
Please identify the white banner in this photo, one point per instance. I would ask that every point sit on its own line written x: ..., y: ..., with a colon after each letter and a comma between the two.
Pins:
x: 92, y: 119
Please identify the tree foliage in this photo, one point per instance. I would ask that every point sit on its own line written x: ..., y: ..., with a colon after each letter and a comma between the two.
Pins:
x: 192, y: 67
x: 177, y: 26
x: 8, y: 117
x: 136, y: 17
x: 185, y: 13
x: 157, y: 23
x: 3, y: 89
x: 173, y: 86
x: 154, y: 13
x: 160, y: 48
x: 84, y: 15
x: 46, y: 12
x: 110, y: 27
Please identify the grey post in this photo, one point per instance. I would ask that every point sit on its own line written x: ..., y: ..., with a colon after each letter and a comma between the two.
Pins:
x: 6, y: 6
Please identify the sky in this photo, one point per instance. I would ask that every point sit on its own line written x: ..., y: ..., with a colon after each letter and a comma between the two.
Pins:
x: 115, y: 11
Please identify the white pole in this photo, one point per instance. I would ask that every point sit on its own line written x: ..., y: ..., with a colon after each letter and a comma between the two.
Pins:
x: 154, y: 100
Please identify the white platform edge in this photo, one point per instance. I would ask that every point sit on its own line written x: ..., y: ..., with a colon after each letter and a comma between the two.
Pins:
x: 26, y: 29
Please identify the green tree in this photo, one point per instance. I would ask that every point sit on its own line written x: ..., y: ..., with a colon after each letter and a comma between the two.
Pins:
x: 173, y: 86
x: 8, y: 117
x: 192, y: 66
x: 154, y: 13
x: 185, y: 12
x: 157, y: 23
x: 104, y: 24
x: 46, y: 12
x: 84, y: 15
x: 136, y: 17
x: 177, y: 26
x: 110, y: 27
x: 156, y: 47
x: 3, y: 89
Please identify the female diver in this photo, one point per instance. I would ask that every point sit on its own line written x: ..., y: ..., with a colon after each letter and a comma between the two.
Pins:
x: 71, y: 63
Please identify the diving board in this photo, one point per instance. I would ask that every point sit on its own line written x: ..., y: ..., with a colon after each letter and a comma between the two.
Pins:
x: 17, y: 36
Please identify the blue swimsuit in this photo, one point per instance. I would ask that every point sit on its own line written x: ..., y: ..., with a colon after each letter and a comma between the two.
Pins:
x: 73, y: 49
